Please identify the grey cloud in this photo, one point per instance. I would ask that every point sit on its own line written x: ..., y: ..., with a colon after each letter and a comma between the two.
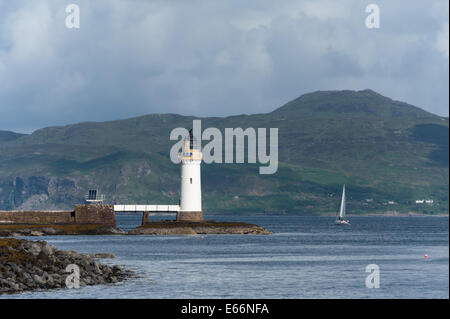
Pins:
x: 211, y: 57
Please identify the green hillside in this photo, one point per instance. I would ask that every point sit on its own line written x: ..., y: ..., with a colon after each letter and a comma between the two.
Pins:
x: 383, y: 150
x: 7, y: 136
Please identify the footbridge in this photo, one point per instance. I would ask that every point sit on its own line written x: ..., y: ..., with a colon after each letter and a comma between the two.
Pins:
x: 147, y: 208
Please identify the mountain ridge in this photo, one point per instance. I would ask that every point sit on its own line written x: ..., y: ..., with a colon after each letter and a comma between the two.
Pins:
x: 382, y: 149
x: 278, y: 109
x: 353, y: 97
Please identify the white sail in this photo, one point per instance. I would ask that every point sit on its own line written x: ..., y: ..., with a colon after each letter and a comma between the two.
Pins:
x: 342, y: 210
x: 340, y: 218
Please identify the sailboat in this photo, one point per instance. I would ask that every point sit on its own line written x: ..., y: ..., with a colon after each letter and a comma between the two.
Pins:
x: 340, y: 219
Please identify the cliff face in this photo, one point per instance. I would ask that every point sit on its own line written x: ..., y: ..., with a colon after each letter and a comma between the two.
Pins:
x: 39, y: 181
x: 34, y: 192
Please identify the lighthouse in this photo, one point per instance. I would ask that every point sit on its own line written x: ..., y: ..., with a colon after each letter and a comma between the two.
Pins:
x: 191, y: 187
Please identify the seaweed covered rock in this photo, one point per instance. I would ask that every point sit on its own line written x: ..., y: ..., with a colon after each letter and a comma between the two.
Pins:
x: 193, y: 228
x: 63, y: 229
x: 31, y: 265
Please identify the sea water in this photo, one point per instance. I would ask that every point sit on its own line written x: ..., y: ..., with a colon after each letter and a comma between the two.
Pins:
x: 306, y: 257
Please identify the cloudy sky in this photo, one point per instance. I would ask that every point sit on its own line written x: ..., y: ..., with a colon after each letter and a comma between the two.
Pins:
x: 211, y: 57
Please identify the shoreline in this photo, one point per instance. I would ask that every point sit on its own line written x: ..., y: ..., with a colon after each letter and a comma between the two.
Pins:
x: 332, y: 215
x: 166, y: 227
x: 20, y: 230
x: 100, y: 219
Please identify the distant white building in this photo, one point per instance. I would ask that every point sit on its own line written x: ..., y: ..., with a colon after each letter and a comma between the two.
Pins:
x: 426, y: 201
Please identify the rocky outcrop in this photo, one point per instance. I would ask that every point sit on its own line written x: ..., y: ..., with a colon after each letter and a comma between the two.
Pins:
x: 50, y: 230
x: 102, y: 255
x: 193, y: 228
x: 32, y: 265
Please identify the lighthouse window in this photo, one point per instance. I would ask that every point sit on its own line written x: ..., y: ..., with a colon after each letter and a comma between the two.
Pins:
x: 191, y: 180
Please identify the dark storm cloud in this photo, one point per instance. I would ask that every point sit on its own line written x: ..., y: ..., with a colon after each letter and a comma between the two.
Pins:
x: 211, y: 57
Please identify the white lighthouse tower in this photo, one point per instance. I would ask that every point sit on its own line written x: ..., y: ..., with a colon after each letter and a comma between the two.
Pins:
x: 191, y: 187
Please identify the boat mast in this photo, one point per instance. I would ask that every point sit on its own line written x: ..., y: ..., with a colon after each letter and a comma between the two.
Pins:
x: 342, y: 209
